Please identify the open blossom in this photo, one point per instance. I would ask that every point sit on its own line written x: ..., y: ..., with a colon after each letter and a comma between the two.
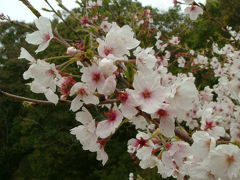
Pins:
x: 200, y: 60
x: 86, y: 134
x: 136, y: 143
x: 49, y: 93
x: 100, y: 77
x: 107, y: 127
x: 174, y: 40
x: 174, y: 158
x: 111, y: 48
x: 166, y: 121
x: 210, y: 123
x: 143, y: 146
x: 93, y: 77
x: 161, y: 45
x: 43, y: 36
x: 105, y: 26
x: 184, y: 93
x: 202, y: 145
x: 118, y: 42
x: 145, y: 57
x: 225, y: 161
x: 82, y: 93
x: 65, y: 85
x: 128, y: 104
x: 193, y: 11
x: 45, y: 76
x: 148, y: 92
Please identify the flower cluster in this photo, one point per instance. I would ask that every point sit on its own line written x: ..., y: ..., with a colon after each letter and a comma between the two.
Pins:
x: 133, y: 84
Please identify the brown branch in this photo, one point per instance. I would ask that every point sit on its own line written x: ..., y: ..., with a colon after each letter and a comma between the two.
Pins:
x: 60, y: 16
x: 66, y: 9
x: 182, y: 135
x: 28, y: 4
x: 36, y: 101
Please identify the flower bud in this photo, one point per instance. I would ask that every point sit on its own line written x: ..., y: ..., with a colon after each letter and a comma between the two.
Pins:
x: 71, y: 51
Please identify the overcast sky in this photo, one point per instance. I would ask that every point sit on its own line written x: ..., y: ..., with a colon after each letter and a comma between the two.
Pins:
x: 17, y: 11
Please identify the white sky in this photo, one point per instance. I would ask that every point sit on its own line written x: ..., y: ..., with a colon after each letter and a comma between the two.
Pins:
x: 17, y: 10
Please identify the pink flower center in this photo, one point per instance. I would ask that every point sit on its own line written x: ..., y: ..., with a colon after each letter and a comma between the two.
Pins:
x: 162, y: 113
x: 146, y: 94
x: 168, y: 146
x: 208, y: 125
x: 123, y: 97
x: 102, y: 141
x: 230, y: 159
x: 82, y: 92
x: 193, y: 8
x: 50, y: 71
x: 46, y: 37
x: 108, y: 50
x: 96, y: 77
x: 112, y: 115
x: 140, y: 142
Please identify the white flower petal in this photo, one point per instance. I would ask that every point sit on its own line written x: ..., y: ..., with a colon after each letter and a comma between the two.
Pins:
x: 76, y: 104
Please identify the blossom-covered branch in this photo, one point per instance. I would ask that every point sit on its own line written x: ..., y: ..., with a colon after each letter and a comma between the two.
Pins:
x: 129, y: 83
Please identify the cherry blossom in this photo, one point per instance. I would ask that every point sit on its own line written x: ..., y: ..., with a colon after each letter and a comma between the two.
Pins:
x: 45, y: 77
x: 86, y: 134
x: 108, y: 126
x: 43, y: 36
x: 225, y: 161
x: 184, y: 93
x: 166, y: 121
x: 118, y: 42
x: 93, y: 77
x: 149, y: 93
x: 128, y: 104
x: 193, y: 11
x: 145, y: 57
x: 174, y: 40
x: 105, y: 26
x: 181, y: 125
x: 82, y: 94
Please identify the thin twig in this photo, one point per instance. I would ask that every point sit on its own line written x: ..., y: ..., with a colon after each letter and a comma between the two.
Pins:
x: 36, y: 101
x: 28, y: 4
x: 60, y: 16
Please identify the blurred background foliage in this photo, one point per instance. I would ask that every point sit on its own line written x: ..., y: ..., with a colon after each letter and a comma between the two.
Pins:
x: 35, y: 142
